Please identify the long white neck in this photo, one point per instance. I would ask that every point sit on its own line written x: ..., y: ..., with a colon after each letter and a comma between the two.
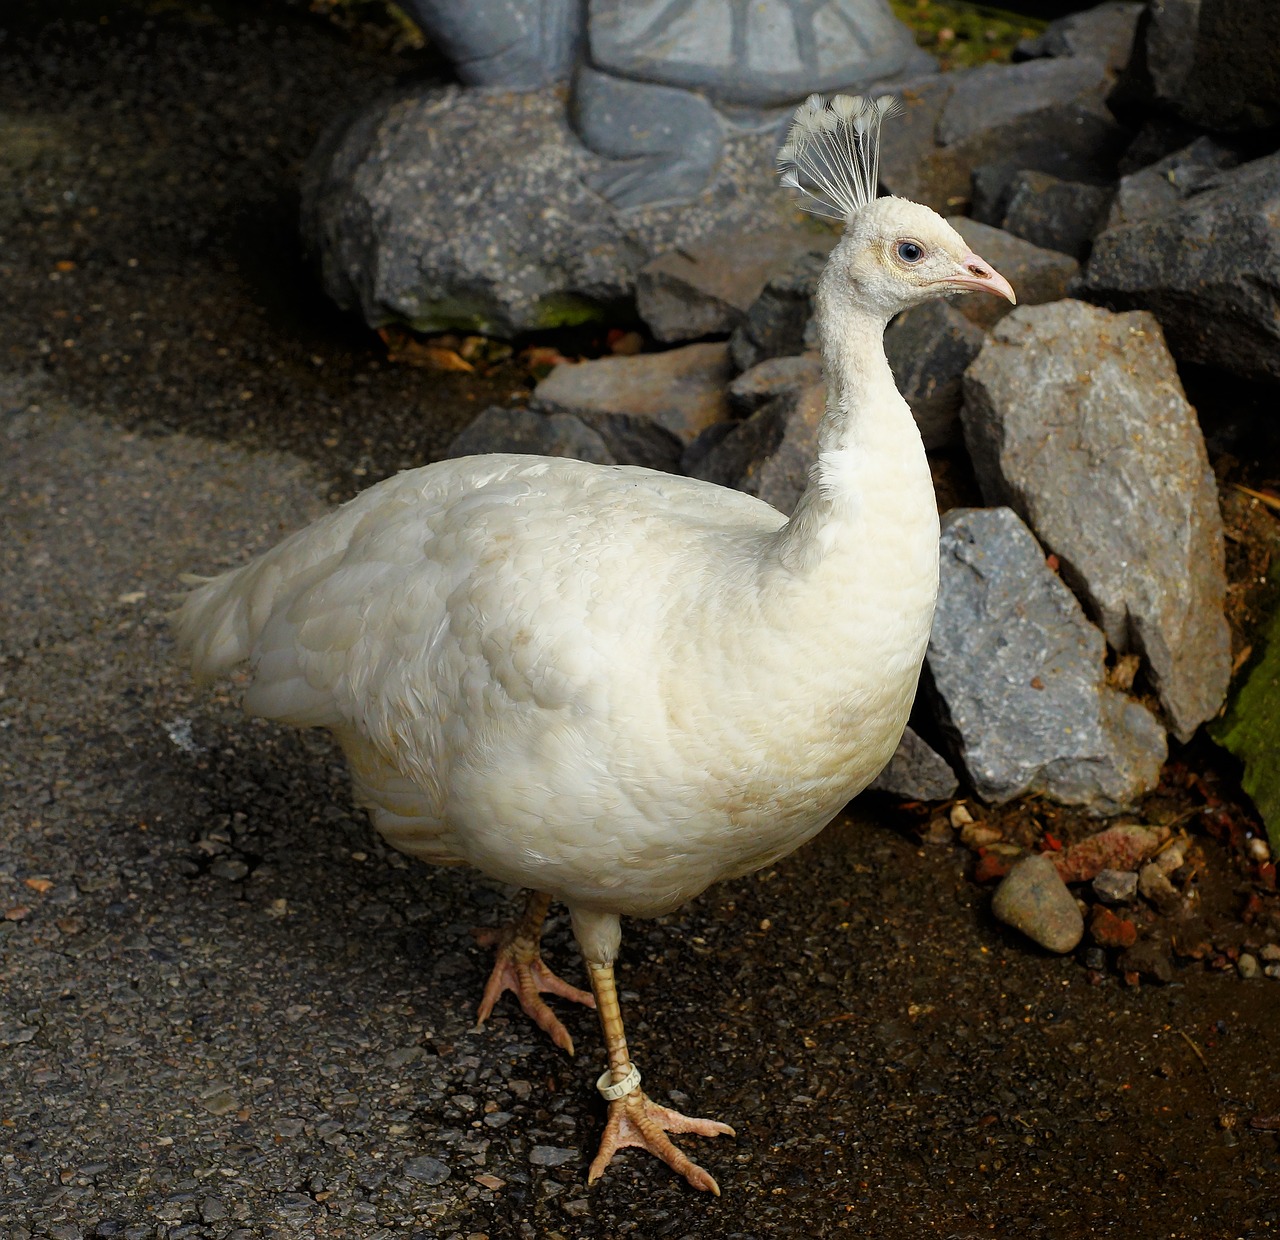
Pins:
x: 871, y: 475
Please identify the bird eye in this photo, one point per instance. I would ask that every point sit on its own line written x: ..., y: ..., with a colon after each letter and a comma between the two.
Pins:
x: 910, y: 251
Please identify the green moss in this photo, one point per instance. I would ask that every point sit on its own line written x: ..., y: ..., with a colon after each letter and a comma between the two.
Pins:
x: 1251, y: 729
x: 460, y: 314
x: 962, y: 34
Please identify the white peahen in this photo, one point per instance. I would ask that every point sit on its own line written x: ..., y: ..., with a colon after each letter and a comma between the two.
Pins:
x: 612, y: 686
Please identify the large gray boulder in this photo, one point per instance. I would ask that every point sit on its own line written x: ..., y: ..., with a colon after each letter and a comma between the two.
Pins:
x: 1208, y: 269
x: 451, y: 209
x: 1018, y: 676
x: 1075, y: 417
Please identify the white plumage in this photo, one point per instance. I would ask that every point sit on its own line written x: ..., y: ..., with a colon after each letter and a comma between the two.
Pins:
x: 611, y: 685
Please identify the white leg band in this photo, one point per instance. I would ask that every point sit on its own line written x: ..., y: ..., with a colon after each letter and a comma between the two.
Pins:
x: 611, y: 1092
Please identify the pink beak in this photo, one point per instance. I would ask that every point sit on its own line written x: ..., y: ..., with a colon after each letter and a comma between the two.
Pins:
x: 982, y: 277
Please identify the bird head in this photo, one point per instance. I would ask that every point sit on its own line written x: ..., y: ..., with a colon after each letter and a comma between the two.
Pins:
x: 896, y: 254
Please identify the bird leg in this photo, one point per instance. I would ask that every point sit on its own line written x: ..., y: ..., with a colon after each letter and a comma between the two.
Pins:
x: 633, y: 1118
x: 519, y: 967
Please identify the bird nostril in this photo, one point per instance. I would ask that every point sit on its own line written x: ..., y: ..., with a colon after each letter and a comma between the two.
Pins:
x: 981, y: 272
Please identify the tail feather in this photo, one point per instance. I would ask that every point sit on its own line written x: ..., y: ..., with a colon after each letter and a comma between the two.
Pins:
x: 218, y: 621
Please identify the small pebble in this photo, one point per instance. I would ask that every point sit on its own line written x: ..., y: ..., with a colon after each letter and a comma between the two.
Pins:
x: 1247, y: 966
x: 428, y: 1170
x: 551, y: 1156
x: 1110, y: 930
x: 1257, y: 848
x: 1270, y: 952
x: 1115, y: 886
x: 1033, y: 898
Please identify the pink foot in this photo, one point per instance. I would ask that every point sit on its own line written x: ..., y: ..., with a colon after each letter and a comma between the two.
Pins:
x: 635, y: 1120
x: 519, y: 968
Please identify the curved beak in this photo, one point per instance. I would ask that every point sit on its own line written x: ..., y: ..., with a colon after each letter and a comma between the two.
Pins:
x: 981, y: 277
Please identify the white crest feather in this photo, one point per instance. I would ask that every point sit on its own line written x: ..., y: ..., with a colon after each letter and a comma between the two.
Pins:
x: 832, y: 152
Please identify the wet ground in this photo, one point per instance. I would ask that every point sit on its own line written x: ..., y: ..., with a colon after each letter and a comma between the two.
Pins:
x: 227, y: 1010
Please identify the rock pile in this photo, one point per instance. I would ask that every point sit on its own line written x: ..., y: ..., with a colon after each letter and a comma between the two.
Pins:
x: 1081, y: 615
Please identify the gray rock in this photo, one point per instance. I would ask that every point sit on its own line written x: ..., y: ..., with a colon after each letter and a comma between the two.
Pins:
x: 1158, y: 188
x: 1209, y: 270
x: 1105, y: 32
x: 413, y: 218
x: 778, y: 376
x: 916, y: 772
x: 770, y: 454
x: 929, y: 349
x: 1017, y: 674
x: 1055, y: 214
x: 707, y: 289
x: 1037, y: 275
x: 1074, y: 142
x: 778, y: 320
x: 1211, y: 62
x: 551, y: 1156
x: 759, y: 55
x: 1044, y: 115
x: 1076, y: 418
x: 990, y: 98
x: 1033, y: 899
x: 647, y: 407
x: 426, y: 1169
x: 498, y: 429
x: 1115, y: 886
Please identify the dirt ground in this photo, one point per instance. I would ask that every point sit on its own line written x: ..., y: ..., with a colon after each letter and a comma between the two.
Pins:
x: 226, y: 1010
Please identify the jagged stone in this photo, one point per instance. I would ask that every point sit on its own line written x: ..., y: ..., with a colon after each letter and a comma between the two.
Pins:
x: 1158, y: 188
x: 929, y: 349
x: 916, y: 772
x: 1209, y: 270
x: 770, y: 453
x: 1017, y: 675
x: 707, y: 289
x: 1037, y: 275
x: 1105, y: 32
x: 499, y: 429
x: 1076, y: 418
x: 777, y: 376
x: 646, y: 407
x: 1055, y: 214
x: 991, y: 122
x: 778, y: 321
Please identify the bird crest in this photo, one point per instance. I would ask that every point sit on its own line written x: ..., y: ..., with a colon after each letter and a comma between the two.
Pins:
x: 832, y: 152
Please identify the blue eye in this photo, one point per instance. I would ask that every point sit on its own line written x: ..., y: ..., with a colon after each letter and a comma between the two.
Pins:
x: 910, y: 252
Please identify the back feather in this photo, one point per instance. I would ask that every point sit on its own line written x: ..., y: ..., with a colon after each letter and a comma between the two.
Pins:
x: 832, y: 152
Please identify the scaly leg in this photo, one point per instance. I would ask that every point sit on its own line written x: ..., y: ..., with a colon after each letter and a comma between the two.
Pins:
x: 519, y: 968
x: 633, y: 1118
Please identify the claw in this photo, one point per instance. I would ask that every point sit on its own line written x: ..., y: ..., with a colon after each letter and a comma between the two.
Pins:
x: 529, y: 978
x: 636, y: 1120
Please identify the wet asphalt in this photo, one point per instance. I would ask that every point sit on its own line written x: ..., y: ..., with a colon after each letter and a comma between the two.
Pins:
x: 227, y: 1010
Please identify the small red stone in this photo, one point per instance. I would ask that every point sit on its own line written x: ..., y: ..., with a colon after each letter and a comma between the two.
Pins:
x: 992, y: 866
x: 1108, y: 929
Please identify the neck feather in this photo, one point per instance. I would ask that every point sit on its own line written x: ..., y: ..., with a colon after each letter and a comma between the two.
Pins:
x: 867, y: 436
